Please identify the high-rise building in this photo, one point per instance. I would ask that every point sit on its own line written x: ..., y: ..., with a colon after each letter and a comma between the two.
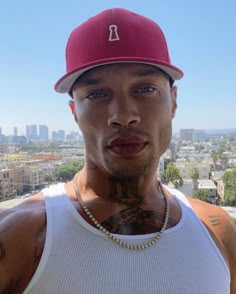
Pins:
x: 61, y: 135
x: 43, y: 133
x: 186, y: 134
x: 31, y: 132
x: 54, y: 135
x: 15, y: 132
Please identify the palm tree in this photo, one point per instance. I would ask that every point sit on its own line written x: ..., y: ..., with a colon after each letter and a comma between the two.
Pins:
x: 195, y: 176
x: 214, y: 157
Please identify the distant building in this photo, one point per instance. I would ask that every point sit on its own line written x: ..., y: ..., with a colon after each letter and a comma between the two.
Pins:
x: 220, y: 189
x: 7, y: 187
x: 43, y: 133
x: 210, y: 186
x: 3, y: 139
x: 19, y: 140
x: 74, y: 136
x: 31, y: 132
x: 185, y: 169
x: 0, y: 131
x: 54, y: 135
x: 199, y: 135
x: 173, y: 149
x: 186, y: 134
x: 61, y: 135
x: 15, y: 132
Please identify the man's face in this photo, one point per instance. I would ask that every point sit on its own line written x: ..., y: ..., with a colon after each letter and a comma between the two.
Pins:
x: 125, y: 113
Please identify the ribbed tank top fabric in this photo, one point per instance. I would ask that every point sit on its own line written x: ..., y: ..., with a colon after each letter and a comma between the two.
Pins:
x: 78, y: 258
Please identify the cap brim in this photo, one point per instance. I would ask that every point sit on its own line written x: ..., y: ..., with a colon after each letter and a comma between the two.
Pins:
x: 65, y: 83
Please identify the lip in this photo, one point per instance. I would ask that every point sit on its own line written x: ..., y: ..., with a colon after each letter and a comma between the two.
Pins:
x: 128, y: 146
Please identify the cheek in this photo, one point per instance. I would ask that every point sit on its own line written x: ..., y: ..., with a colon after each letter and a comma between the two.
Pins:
x: 158, y: 112
x: 90, y: 119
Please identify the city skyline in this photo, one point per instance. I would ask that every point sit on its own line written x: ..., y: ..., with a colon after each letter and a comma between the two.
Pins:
x: 44, y: 132
x: 32, y: 58
x: 34, y: 132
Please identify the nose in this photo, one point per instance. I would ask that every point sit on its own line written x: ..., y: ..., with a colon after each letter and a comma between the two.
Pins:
x: 123, y: 112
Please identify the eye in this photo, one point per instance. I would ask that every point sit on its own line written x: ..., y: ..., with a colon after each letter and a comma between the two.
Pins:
x: 145, y: 89
x: 96, y: 94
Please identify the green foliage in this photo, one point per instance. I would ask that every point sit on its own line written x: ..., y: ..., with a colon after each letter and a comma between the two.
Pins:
x: 67, y: 171
x: 49, y: 178
x: 163, y: 178
x: 194, y: 173
x: 234, y: 220
x: 202, y: 194
x: 229, y: 179
x: 173, y: 175
x: 186, y: 158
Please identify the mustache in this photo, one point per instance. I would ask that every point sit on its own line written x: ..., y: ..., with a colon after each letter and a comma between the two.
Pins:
x: 128, y: 132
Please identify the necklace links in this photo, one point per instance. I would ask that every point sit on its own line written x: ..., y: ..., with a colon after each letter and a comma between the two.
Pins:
x: 118, y: 241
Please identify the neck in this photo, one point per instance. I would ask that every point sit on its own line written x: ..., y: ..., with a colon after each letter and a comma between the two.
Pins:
x: 127, y: 190
x: 135, y: 217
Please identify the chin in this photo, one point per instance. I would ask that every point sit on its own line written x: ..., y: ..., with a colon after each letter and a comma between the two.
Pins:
x: 129, y: 170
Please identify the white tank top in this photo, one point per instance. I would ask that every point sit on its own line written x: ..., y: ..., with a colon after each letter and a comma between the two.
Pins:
x: 78, y: 258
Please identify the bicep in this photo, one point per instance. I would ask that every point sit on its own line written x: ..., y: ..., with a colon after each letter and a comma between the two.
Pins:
x: 5, y: 278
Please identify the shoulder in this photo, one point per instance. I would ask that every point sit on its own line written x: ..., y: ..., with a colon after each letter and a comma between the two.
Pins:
x: 222, y: 229
x: 20, y: 227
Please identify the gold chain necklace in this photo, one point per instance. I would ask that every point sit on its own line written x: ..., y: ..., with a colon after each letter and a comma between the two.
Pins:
x: 110, y: 235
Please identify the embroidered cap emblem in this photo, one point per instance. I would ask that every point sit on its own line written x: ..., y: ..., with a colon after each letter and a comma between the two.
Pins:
x: 113, y: 36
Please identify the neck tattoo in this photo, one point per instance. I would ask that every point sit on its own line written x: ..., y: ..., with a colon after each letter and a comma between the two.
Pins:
x: 118, y: 241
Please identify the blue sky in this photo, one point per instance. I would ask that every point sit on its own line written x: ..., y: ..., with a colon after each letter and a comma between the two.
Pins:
x: 202, y: 42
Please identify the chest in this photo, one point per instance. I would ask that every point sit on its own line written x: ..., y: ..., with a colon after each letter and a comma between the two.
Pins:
x: 87, y: 262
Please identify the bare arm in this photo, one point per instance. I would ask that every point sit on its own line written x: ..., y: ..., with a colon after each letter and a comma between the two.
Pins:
x: 21, y: 247
x: 222, y: 230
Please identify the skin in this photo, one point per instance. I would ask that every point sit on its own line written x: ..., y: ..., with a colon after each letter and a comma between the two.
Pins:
x: 110, y: 102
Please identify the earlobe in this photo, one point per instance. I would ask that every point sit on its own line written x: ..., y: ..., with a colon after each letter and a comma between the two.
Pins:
x: 72, y: 108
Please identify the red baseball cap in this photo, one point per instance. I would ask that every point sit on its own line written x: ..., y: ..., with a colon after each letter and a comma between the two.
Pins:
x: 115, y: 36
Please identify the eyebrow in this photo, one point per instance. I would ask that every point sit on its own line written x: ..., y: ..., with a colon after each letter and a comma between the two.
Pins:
x: 140, y: 72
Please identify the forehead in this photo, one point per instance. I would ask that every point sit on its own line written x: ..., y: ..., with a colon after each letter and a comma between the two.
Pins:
x: 132, y: 69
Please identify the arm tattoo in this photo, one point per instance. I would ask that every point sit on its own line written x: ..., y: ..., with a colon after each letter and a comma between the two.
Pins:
x: 125, y: 190
x: 214, y: 220
x: 2, y: 251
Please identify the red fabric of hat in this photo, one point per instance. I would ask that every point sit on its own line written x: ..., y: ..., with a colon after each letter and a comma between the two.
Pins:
x: 115, y: 36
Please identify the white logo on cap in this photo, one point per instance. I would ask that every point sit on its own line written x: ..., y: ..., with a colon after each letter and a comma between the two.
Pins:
x: 113, y: 36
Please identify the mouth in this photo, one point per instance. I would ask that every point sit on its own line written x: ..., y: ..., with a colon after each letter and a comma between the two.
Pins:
x: 127, y: 146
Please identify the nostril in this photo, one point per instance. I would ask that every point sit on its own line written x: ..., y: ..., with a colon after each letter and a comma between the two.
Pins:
x: 117, y: 122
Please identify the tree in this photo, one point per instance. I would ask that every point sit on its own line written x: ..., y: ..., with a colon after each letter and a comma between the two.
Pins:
x: 67, y: 171
x: 186, y: 158
x: 173, y: 175
x: 202, y: 194
x: 224, y: 161
x: 163, y: 177
x: 195, y: 176
x: 214, y: 157
x: 49, y: 178
x: 229, y: 180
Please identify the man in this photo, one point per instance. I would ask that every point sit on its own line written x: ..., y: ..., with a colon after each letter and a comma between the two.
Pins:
x: 115, y: 228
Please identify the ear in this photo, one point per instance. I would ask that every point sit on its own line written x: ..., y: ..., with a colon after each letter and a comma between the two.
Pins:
x: 72, y: 108
x: 174, y: 100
